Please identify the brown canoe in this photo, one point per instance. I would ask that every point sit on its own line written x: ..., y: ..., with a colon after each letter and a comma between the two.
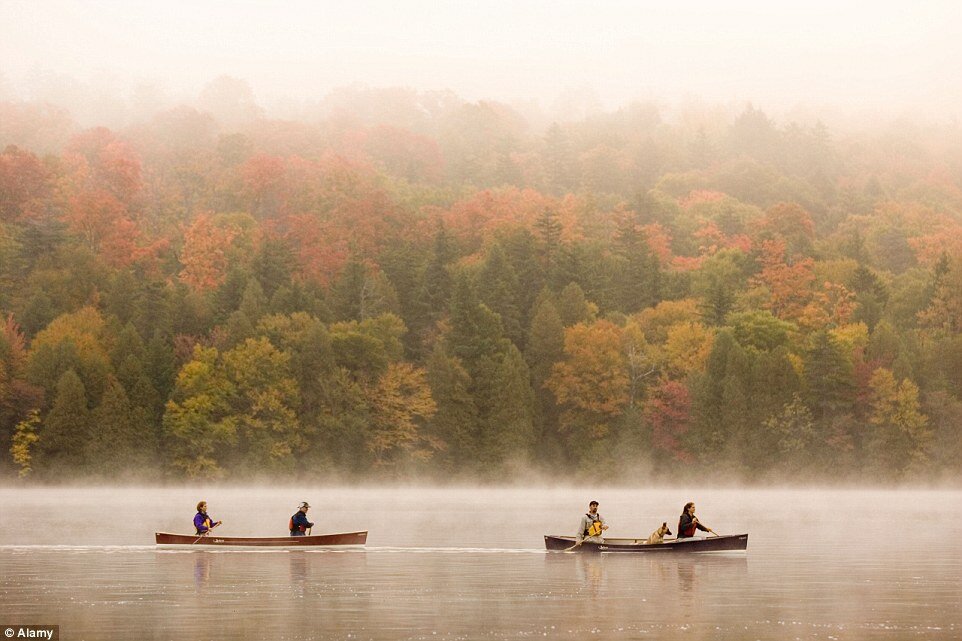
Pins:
x: 212, y: 540
x: 724, y: 543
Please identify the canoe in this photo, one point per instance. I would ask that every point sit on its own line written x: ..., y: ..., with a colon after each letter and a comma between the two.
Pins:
x: 319, y: 540
x: 695, y: 544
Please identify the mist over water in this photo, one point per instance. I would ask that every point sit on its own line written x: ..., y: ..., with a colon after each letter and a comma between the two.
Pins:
x: 470, y: 564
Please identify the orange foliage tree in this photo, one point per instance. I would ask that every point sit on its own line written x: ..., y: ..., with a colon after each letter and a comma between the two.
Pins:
x: 591, y: 383
x: 789, y: 284
x: 204, y: 255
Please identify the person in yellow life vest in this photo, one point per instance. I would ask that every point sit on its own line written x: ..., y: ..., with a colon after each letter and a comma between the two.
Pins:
x: 203, y: 523
x: 592, y: 525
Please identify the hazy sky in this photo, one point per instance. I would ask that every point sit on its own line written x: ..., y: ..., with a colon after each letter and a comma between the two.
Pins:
x: 868, y: 55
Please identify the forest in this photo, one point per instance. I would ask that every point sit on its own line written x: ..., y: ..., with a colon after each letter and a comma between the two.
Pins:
x: 400, y: 284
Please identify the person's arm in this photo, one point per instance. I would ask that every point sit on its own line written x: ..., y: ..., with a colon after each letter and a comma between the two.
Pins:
x: 604, y: 523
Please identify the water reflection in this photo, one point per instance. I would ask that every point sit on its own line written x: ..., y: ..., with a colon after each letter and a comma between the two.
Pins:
x: 201, y: 569
x: 299, y: 571
x: 592, y: 572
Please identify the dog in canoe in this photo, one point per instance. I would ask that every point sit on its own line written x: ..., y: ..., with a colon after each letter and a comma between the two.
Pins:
x: 658, y: 536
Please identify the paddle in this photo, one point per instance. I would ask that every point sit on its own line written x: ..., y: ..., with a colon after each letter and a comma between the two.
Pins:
x: 578, y: 544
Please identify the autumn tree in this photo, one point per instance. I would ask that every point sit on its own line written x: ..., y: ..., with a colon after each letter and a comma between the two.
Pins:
x: 400, y: 403
x: 787, y: 281
x: 668, y: 412
x: 900, y: 436
x: 262, y: 405
x: 198, y: 422
x: 591, y: 383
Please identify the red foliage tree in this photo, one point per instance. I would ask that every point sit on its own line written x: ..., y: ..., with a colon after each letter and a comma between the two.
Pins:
x: 24, y: 185
x: 102, y: 191
x: 668, y: 412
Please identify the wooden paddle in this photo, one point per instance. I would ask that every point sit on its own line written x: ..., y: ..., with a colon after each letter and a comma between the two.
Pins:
x: 574, y: 546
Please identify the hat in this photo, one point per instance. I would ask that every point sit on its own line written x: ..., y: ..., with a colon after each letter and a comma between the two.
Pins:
x: 304, y: 504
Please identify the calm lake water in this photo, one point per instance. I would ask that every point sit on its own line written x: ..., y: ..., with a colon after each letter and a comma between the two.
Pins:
x: 470, y: 564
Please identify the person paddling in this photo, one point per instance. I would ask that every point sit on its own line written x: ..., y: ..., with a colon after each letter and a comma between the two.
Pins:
x: 592, y: 525
x: 298, y: 525
x: 202, y: 522
x: 688, y: 523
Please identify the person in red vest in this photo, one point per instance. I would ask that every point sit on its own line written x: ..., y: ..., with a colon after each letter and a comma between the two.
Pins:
x: 299, y: 524
x: 688, y: 523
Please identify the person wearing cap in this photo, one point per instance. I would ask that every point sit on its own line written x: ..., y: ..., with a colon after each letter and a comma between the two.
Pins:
x: 203, y: 523
x: 299, y: 523
x: 592, y: 525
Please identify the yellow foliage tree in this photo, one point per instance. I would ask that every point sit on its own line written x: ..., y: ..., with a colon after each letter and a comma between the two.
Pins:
x: 399, y: 401
x: 592, y: 381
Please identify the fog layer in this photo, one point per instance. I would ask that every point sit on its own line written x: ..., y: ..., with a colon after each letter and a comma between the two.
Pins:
x: 858, y: 56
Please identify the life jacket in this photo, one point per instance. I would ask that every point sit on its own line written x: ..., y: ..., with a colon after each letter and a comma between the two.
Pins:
x: 594, y: 528
x: 206, y: 524
x: 291, y: 527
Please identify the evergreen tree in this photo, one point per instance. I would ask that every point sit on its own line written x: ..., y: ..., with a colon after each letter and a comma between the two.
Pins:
x: 273, y: 265
x: 709, y: 431
x: 118, y: 445
x: 548, y: 228
x: 573, y: 307
x: 829, y: 377
x: 347, y: 290
x: 475, y: 329
x: 521, y: 250
x: 378, y: 297
x: 545, y: 347
x: 434, y: 291
x: 499, y: 290
x: 160, y: 365
x: 253, y: 303
x: 638, y: 285
x: 506, y: 404
x: 455, y: 423
x: 128, y: 344
x: 66, y: 429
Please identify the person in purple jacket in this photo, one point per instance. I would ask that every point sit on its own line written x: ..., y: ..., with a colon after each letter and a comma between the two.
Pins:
x: 203, y: 523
